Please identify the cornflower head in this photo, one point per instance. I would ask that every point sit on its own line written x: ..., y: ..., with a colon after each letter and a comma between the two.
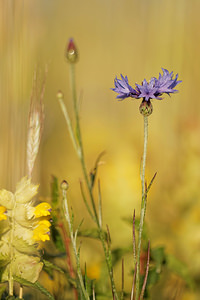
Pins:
x: 23, y: 226
x: 153, y: 89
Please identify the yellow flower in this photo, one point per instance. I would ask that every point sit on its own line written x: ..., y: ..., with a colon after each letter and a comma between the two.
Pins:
x: 94, y: 271
x: 2, y: 213
x: 42, y: 231
x: 42, y: 210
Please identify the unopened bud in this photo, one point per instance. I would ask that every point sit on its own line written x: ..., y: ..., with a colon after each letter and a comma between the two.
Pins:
x: 60, y: 95
x: 146, y: 108
x: 71, y: 52
x: 64, y: 185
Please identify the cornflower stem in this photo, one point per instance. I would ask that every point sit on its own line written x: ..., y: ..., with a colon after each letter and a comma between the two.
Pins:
x: 73, y: 240
x: 143, y: 208
x: 80, y: 154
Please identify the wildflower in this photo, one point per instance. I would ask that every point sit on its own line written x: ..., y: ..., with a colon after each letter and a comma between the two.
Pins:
x: 71, y: 52
x: 124, y: 89
x: 42, y: 231
x: 147, y: 90
x: 41, y: 210
x: 25, y: 225
x: 2, y: 213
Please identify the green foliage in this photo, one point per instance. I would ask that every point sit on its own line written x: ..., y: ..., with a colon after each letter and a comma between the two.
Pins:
x: 55, y: 234
x: 93, y: 172
x: 179, y: 268
x: 36, y: 285
x: 2, y: 290
x: 118, y: 254
x: 54, y: 192
x: 92, y: 233
x: 50, y: 266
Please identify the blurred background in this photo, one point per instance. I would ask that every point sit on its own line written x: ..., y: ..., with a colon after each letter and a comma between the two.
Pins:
x: 135, y: 38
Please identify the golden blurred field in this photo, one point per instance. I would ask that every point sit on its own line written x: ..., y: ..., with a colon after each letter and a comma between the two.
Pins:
x: 135, y: 38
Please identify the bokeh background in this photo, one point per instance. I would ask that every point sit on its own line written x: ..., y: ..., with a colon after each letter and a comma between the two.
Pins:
x: 135, y: 38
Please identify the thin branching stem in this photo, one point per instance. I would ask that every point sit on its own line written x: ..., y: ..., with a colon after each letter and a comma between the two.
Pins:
x: 146, y: 273
x: 73, y: 240
x: 122, y: 292
x: 67, y: 119
x: 143, y: 207
x: 133, y: 285
x: 80, y: 151
x: 134, y: 239
x: 80, y: 154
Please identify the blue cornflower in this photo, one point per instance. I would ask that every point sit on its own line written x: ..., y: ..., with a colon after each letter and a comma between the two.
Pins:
x: 123, y: 88
x: 147, y: 90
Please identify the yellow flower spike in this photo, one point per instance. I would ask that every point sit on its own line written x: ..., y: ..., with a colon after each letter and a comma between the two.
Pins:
x: 41, y: 232
x: 2, y: 213
x: 42, y: 210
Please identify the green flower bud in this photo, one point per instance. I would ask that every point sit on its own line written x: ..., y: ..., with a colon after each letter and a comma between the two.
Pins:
x: 71, y: 52
x: 64, y: 185
x: 146, y: 108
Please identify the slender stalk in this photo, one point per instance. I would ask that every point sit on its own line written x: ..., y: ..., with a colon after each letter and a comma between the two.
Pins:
x: 80, y: 153
x: 12, y: 223
x: 146, y: 273
x: 73, y: 240
x: 143, y: 207
x: 21, y: 292
x: 69, y: 262
x: 67, y: 119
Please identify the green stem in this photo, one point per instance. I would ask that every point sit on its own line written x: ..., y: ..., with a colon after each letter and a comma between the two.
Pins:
x: 143, y: 208
x: 12, y: 223
x: 73, y: 240
x: 80, y: 153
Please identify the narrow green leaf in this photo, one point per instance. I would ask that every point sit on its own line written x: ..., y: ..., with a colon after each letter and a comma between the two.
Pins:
x: 86, y: 279
x: 92, y: 233
x: 150, y: 184
x: 85, y: 201
x: 54, y: 192
x: 51, y: 266
x: 93, y: 172
x: 100, y: 204
x: 57, y: 239
x: 2, y: 290
x: 36, y: 285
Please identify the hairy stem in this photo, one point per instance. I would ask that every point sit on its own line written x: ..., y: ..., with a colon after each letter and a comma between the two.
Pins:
x: 73, y: 240
x: 143, y: 207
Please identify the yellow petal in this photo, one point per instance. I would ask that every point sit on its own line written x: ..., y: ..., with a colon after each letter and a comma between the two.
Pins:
x: 42, y: 210
x: 2, y: 213
x: 42, y: 231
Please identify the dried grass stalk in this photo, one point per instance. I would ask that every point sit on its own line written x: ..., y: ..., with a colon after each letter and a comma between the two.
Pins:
x: 36, y: 121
